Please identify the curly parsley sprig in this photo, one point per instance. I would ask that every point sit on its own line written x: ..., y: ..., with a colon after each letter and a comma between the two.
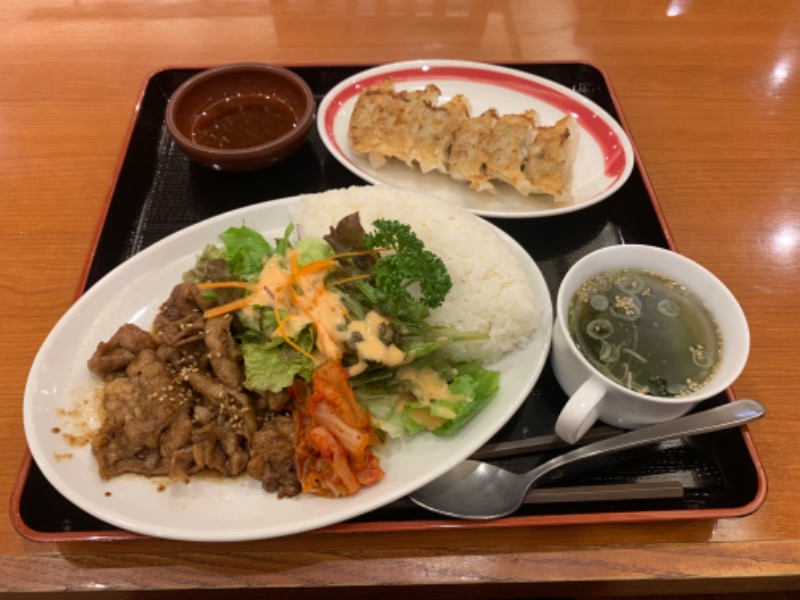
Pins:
x: 411, y: 263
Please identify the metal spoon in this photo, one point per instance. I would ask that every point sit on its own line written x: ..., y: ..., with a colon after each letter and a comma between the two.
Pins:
x: 478, y: 490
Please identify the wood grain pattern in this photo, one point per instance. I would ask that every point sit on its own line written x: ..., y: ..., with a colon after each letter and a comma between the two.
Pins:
x: 710, y: 92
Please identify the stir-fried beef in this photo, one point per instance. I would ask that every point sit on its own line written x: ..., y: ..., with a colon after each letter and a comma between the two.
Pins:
x: 180, y: 320
x: 186, y: 357
x: 272, y: 456
x: 232, y: 405
x: 273, y: 401
x: 120, y: 350
x: 175, y: 404
x: 215, y: 447
x: 226, y: 360
x: 141, y: 409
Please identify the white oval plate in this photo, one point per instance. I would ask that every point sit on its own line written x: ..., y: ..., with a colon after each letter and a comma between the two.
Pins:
x: 605, y: 155
x: 58, y: 404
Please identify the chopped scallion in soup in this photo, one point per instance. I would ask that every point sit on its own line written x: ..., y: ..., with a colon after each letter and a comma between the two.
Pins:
x: 646, y: 332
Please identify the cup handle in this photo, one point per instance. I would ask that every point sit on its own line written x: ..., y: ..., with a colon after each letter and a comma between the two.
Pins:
x: 581, y: 410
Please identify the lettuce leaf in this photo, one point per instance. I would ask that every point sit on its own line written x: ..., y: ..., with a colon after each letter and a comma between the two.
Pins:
x: 211, y: 265
x: 273, y: 368
x: 476, y: 383
x: 470, y: 388
x: 245, y: 249
x: 381, y: 402
x: 311, y: 249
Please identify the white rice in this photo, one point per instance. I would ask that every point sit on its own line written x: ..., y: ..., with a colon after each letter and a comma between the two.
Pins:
x: 490, y: 291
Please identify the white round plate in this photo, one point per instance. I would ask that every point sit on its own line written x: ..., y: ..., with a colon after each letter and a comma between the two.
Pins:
x: 603, y: 163
x: 61, y: 394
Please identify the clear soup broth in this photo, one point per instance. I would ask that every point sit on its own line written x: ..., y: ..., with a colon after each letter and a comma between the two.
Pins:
x: 646, y: 332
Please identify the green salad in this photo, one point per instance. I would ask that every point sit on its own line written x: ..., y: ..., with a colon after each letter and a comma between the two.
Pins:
x: 355, y: 297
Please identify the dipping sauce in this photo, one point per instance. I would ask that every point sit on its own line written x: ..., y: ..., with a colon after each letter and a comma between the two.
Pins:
x: 243, y: 122
x: 646, y: 332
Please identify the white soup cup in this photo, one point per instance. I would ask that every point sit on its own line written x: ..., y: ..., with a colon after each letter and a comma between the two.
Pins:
x: 593, y: 396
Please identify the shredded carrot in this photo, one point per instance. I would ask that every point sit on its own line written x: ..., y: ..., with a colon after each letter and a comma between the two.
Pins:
x: 228, y: 284
x: 294, y: 274
x: 290, y: 287
x: 347, y: 280
x: 286, y: 338
x: 229, y: 307
x: 312, y: 267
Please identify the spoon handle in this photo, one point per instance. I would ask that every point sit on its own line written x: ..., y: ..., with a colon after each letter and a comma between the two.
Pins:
x: 726, y: 416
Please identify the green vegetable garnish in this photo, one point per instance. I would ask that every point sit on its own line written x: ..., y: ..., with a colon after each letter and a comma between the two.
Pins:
x: 273, y: 368
x: 410, y: 264
x: 470, y: 385
x: 245, y: 249
x: 388, y: 272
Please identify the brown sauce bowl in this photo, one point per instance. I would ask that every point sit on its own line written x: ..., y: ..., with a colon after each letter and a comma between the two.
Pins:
x: 225, y: 118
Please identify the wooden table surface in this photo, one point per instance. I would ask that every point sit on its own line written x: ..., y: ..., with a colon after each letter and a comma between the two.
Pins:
x: 711, y: 94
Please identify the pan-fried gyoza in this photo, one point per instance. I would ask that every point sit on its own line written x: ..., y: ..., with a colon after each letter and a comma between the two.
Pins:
x: 415, y: 127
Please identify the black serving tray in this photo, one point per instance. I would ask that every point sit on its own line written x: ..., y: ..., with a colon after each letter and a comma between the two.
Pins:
x: 158, y: 191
